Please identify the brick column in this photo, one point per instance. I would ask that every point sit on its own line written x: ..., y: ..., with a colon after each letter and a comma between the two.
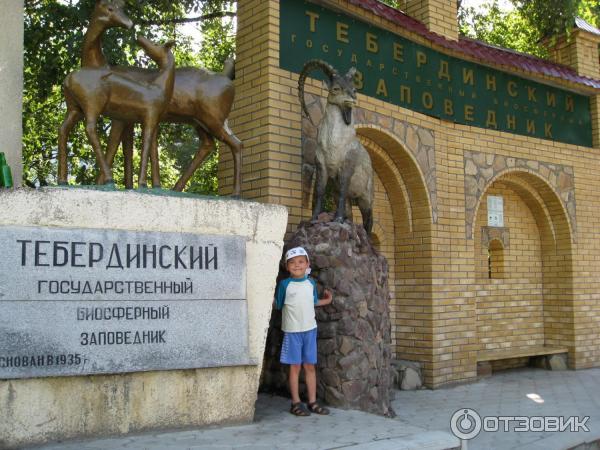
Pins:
x: 438, y: 15
x: 579, y: 51
x: 266, y: 114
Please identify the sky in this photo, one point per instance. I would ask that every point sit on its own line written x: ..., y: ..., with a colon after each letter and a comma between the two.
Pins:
x: 191, y: 29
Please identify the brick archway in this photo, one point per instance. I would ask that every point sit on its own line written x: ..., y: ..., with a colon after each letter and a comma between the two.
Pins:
x: 532, y: 304
x: 409, y: 244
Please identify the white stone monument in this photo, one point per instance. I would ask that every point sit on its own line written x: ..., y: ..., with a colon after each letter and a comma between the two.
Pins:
x: 126, y: 312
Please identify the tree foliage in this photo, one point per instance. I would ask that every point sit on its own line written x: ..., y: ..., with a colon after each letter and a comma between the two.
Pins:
x: 507, y: 29
x: 54, y: 31
x: 523, y: 27
x: 553, y: 17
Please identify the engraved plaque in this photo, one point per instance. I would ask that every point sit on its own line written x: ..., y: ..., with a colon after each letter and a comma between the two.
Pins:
x: 86, y: 301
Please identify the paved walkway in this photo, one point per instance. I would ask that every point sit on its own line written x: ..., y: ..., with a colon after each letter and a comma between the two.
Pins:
x: 423, y: 420
x: 526, y: 392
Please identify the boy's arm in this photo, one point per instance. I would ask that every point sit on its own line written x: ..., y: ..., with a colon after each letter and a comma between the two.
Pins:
x: 327, y: 298
x: 280, y: 295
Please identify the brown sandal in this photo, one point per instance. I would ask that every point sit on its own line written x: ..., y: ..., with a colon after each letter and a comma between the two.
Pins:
x: 298, y: 409
x: 318, y: 409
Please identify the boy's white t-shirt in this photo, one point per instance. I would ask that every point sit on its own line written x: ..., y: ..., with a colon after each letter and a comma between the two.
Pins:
x: 297, y: 297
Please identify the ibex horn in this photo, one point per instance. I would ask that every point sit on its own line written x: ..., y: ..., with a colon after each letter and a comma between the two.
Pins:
x: 310, y: 65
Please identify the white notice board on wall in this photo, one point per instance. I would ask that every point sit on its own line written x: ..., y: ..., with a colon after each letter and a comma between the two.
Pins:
x: 495, y: 206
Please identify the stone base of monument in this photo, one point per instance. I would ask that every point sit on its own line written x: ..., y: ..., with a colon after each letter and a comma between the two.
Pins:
x: 125, y: 312
x: 354, y: 345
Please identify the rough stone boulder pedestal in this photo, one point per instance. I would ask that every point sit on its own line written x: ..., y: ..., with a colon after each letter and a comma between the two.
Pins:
x: 354, y: 341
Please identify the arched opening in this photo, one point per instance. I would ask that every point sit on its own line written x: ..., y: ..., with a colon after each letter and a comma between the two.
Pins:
x: 495, y: 259
x: 523, y: 270
x: 403, y: 217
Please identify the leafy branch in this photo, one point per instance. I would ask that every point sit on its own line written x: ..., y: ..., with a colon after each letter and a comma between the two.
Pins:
x: 215, y: 15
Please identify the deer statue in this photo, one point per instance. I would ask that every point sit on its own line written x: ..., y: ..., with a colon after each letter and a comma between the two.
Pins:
x: 201, y: 98
x: 91, y: 92
x: 339, y: 154
x: 106, y: 14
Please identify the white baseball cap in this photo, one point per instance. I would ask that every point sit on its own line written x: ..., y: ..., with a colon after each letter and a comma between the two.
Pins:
x: 296, y: 251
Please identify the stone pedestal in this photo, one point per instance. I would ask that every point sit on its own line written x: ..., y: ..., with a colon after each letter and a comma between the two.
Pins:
x: 354, y: 369
x: 38, y: 410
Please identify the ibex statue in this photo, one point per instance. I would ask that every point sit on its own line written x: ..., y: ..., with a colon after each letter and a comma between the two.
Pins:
x: 339, y: 154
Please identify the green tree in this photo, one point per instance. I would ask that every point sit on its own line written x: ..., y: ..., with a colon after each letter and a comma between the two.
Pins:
x: 54, y: 32
x: 507, y: 29
x: 527, y: 24
x: 524, y: 26
x: 553, y: 17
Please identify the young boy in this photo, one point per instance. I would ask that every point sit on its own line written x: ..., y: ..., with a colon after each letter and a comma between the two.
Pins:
x: 297, y: 296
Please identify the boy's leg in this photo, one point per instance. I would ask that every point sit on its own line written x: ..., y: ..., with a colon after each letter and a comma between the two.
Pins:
x: 309, y: 359
x: 293, y: 377
x: 310, y: 376
x: 291, y: 353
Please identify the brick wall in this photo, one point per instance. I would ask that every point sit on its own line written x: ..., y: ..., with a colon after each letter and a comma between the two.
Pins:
x: 510, y: 310
x: 441, y: 305
x: 579, y: 51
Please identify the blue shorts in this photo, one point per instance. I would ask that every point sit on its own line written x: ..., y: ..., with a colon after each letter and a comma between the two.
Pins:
x: 298, y: 348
